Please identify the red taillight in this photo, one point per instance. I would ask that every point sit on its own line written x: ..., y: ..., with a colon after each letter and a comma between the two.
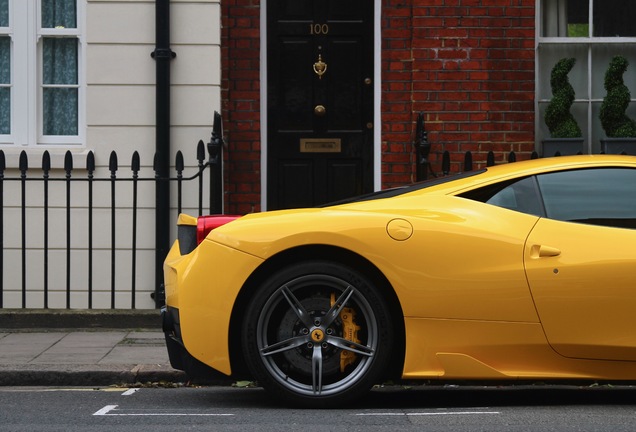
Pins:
x: 205, y: 224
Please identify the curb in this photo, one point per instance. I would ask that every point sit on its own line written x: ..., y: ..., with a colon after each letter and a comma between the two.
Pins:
x: 81, y: 318
x: 89, y: 375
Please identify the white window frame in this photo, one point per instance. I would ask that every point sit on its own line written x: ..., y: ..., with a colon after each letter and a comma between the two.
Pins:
x: 592, y: 132
x: 27, y: 120
x: 8, y: 32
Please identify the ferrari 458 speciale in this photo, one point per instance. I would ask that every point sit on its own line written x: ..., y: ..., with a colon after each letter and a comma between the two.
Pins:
x: 522, y: 271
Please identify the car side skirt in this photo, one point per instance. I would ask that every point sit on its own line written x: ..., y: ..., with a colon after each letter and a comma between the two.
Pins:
x: 486, y: 350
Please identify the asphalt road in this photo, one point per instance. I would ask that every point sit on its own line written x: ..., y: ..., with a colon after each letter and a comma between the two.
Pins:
x: 449, y: 408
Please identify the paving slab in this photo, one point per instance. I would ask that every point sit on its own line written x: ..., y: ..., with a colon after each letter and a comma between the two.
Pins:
x: 84, y: 357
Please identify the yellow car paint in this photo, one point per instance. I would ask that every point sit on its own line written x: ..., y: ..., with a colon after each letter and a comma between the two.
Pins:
x: 475, y: 282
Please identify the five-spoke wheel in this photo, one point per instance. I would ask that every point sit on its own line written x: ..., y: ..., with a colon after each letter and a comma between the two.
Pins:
x: 317, y: 334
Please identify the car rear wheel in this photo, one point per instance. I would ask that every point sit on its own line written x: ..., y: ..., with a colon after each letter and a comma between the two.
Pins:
x: 317, y: 334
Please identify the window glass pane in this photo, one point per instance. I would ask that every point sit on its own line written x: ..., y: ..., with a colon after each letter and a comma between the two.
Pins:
x: 614, y: 18
x: 59, y: 79
x: 59, y: 14
x: 5, y: 80
x: 520, y: 196
x: 60, y: 111
x: 4, y: 13
x: 5, y: 60
x: 5, y: 111
x: 600, y: 196
x: 578, y: 13
x: 565, y: 18
x: 59, y: 58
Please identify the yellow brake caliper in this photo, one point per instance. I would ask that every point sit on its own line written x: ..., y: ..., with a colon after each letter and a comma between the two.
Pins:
x: 349, y: 332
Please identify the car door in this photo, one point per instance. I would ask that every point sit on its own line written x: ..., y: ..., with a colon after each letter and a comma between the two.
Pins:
x: 581, y: 263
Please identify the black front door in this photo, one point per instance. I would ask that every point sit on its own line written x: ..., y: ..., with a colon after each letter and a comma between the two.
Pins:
x: 319, y: 101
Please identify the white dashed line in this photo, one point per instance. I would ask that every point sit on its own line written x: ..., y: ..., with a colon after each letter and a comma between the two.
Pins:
x: 430, y: 413
x: 108, y: 411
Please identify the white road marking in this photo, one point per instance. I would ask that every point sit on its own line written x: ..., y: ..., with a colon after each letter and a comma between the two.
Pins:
x: 130, y: 392
x: 107, y: 411
x: 47, y: 390
x: 431, y: 413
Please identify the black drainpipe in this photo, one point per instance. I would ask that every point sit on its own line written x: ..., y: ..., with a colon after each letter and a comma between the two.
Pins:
x: 162, y: 55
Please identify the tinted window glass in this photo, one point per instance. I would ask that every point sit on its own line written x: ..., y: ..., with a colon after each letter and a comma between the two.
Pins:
x: 518, y: 195
x: 521, y: 196
x: 596, y: 196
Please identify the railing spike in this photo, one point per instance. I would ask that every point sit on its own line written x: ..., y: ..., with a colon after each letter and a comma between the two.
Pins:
x: 24, y: 162
x: 446, y: 162
x: 112, y: 162
x: 46, y: 162
x: 490, y: 159
x: 90, y: 162
x: 179, y: 164
x: 468, y: 161
x: 200, y: 151
x: 68, y: 162
x: 135, y: 165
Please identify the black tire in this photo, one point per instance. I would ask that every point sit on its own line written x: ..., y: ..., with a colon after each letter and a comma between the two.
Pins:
x: 317, y: 334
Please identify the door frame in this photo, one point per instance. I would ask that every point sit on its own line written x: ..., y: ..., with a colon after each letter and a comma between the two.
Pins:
x: 377, y: 130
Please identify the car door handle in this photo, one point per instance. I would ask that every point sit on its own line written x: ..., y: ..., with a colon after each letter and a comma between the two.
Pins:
x: 547, y: 251
x: 543, y: 251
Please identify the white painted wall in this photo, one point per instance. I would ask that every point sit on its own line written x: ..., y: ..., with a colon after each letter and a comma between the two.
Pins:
x: 120, y: 116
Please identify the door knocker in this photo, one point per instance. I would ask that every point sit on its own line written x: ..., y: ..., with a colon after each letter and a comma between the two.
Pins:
x: 320, y: 67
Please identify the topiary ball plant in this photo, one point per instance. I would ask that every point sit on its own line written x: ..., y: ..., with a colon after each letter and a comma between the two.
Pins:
x: 613, y: 119
x: 558, y: 118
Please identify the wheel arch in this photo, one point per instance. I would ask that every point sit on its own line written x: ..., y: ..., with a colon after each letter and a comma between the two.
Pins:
x: 317, y: 252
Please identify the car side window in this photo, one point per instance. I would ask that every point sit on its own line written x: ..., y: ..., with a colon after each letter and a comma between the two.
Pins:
x: 520, y: 195
x: 600, y: 196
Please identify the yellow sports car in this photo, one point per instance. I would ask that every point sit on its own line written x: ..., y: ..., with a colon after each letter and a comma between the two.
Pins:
x: 521, y: 271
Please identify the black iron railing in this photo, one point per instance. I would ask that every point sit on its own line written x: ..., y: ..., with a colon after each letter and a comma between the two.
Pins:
x: 24, y: 180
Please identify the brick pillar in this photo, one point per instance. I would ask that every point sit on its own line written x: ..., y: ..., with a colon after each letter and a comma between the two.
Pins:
x: 240, y: 96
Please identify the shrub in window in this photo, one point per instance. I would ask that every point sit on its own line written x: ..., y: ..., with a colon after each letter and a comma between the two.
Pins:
x: 619, y: 128
x: 564, y: 130
x: 613, y: 118
x: 560, y: 121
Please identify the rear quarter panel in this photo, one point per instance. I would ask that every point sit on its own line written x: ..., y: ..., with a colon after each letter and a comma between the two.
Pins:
x: 465, y: 262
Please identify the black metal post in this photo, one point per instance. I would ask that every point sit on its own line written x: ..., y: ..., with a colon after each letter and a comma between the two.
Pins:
x: 215, y: 148
x: 423, y: 149
x: 162, y: 55
x: 90, y: 168
x: 24, y: 166
x: 68, y: 168
x: 46, y: 167
x: 113, y: 166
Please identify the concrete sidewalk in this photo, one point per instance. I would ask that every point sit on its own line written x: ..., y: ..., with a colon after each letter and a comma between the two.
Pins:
x: 83, y: 348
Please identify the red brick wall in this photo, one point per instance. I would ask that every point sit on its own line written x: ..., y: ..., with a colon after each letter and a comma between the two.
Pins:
x: 468, y: 65
x: 240, y: 96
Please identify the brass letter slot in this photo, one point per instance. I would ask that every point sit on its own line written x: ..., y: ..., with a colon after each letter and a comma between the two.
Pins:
x: 320, y: 145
